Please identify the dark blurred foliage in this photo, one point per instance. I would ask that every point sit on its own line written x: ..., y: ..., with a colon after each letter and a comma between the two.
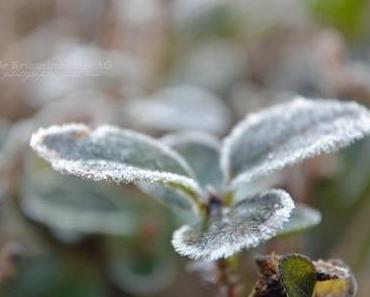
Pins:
x: 159, y: 66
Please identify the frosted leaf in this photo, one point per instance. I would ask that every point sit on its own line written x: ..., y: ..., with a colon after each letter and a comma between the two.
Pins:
x: 288, y: 133
x: 172, y: 197
x: 112, y: 154
x: 201, y: 151
x: 72, y: 205
x: 178, y: 108
x: 332, y: 269
x: 244, y: 225
x: 87, y: 106
x: 335, y: 279
x: 302, y: 217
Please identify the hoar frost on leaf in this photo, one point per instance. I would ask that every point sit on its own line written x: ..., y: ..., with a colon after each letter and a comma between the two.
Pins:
x: 201, y: 151
x: 263, y: 143
x: 113, y: 154
x: 288, y: 133
x: 244, y: 225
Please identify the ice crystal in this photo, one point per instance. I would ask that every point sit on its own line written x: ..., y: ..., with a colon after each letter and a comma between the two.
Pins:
x: 187, y: 162
x: 201, y: 151
x: 112, y: 154
x: 289, y: 133
x: 243, y: 225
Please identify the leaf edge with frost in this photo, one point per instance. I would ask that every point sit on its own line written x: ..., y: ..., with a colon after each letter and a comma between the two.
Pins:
x: 268, y: 231
x: 330, y: 147
x: 81, y: 169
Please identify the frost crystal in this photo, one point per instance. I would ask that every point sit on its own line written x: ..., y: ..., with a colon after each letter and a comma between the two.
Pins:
x: 289, y: 133
x: 112, y: 154
x: 263, y: 143
x: 243, y: 225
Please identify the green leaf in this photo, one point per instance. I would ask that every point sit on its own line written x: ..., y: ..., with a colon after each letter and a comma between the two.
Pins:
x: 298, y: 275
x: 112, y: 154
x: 230, y: 229
x: 201, y: 151
x: 302, y: 218
x: 289, y: 133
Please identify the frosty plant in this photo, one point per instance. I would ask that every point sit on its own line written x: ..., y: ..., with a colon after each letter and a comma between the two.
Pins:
x: 191, y: 170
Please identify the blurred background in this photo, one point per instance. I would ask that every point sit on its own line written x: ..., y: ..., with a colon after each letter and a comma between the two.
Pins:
x: 160, y: 66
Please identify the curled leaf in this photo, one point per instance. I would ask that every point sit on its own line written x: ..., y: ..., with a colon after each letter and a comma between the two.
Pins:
x: 243, y: 225
x: 112, y: 154
x: 334, y: 279
x: 302, y: 218
x: 288, y: 133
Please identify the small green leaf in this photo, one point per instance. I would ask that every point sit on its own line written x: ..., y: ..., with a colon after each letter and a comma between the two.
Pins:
x: 112, y: 154
x: 288, y: 133
x: 298, y: 275
x: 231, y: 229
x: 302, y: 218
x: 201, y: 151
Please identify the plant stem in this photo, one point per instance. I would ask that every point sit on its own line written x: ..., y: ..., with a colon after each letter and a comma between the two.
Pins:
x: 227, y: 280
